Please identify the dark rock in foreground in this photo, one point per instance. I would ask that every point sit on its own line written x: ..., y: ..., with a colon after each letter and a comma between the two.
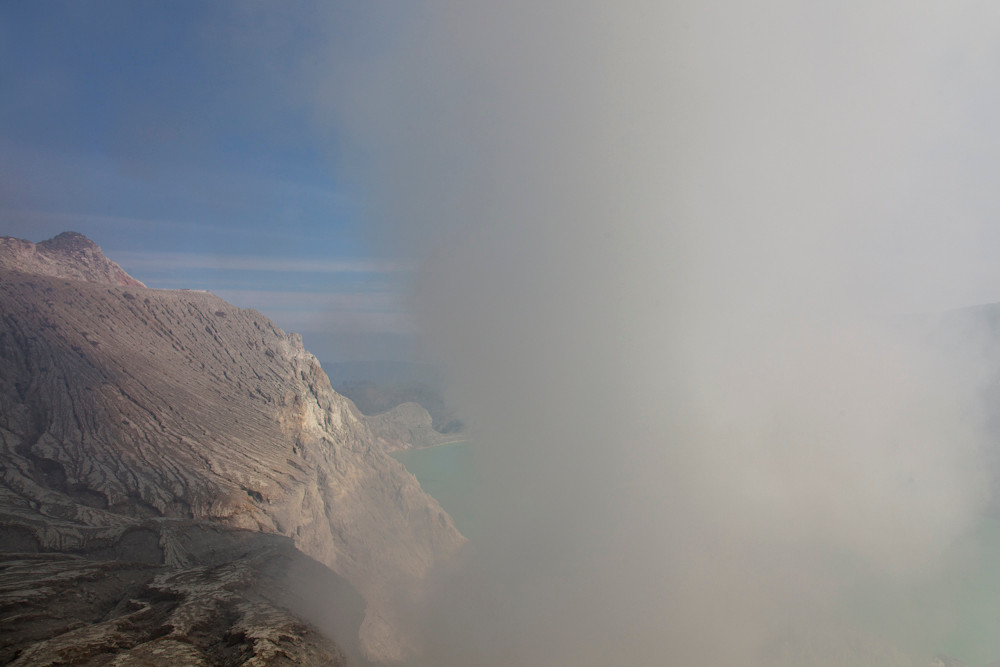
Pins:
x: 236, y: 606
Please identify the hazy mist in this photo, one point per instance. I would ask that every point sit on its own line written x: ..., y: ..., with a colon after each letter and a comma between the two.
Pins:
x: 667, y: 248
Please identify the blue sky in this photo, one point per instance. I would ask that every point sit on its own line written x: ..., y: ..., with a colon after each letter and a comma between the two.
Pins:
x: 184, y: 139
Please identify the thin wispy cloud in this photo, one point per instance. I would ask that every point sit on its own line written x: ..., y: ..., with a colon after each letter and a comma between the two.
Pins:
x: 321, y: 324
x: 160, y: 261
x: 314, y: 301
x: 71, y: 221
x: 71, y: 218
x: 327, y: 312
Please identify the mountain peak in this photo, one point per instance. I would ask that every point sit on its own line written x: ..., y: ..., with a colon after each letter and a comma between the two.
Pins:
x: 69, y: 255
x: 69, y: 241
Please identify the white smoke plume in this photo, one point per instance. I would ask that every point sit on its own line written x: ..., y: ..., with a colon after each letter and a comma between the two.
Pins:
x: 667, y: 247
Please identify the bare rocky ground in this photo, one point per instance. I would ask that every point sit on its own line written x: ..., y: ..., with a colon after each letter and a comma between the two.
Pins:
x: 167, y: 461
x: 124, y: 605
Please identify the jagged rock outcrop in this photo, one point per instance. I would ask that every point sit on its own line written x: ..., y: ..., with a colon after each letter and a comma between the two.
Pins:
x: 69, y: 255
x: 121, y: 405
x: 407, y: 426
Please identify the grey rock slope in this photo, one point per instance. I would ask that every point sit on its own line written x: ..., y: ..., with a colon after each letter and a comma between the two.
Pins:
x: 127, y: 411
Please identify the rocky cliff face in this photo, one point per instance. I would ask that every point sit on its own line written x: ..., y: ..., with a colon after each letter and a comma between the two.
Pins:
x: 127, y: 411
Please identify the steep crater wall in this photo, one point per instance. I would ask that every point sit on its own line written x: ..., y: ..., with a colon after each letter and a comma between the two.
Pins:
x: 121, y: 404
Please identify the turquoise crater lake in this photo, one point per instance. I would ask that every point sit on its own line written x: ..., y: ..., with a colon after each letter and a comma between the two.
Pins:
x: 449, y: 474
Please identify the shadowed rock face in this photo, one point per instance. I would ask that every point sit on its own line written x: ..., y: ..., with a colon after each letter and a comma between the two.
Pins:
x: 240, y: 605
x: 125, y: 410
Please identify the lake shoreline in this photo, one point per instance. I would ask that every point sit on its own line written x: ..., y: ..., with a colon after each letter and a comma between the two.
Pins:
x: 449, y: 443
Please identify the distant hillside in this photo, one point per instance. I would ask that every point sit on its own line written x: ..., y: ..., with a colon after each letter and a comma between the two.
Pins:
x: 379, y: 386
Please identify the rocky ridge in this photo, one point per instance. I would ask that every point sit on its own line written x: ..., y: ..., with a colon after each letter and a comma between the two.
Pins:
x: 408, y: 425
x: 69, y: 255
x: 132, y: 419
x: 381, y: 394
